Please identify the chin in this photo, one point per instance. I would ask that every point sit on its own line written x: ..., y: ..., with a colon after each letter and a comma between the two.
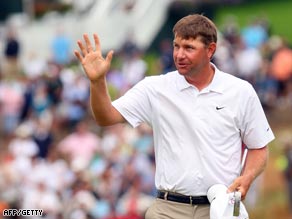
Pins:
x: 182, y: 71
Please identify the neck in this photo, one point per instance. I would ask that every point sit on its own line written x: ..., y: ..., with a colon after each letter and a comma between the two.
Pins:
x: 202, y: 79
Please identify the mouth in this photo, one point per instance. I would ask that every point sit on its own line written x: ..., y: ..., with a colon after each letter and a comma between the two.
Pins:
x: 181, y: 65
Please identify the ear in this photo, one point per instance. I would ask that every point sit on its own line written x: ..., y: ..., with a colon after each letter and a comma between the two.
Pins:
x: 211, y: 49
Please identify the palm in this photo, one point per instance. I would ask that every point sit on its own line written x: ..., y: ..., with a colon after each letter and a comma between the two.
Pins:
x: 94, y: 65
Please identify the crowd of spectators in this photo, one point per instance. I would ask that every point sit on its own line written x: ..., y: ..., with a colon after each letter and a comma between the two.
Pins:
x: 258, y: 55
x: 54, y: 157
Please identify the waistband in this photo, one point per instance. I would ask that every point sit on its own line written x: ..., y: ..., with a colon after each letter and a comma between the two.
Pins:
x: 175, y: 197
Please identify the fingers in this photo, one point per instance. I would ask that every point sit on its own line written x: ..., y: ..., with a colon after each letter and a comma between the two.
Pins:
x: 87, y: 42
x: 78, y: 55
x: 109, y: 56
x: 97, y: 43
x: 232, y: 188
x: 82, y: 48
x: 237, y: 186
x: 87, y: 47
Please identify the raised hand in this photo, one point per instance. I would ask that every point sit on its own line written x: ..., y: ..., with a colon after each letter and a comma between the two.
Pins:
x: 94, y: 65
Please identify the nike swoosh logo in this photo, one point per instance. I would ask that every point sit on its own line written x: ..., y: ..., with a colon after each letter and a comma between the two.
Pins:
x: 219, y: 108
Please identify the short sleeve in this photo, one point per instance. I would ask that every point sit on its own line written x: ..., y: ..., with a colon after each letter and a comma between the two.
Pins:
x: 135, y: 105
x: 256, y: 131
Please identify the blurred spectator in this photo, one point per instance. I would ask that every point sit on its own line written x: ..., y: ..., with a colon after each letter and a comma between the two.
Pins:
x: 75, y: 96
x: 281, y: 67
x: 43, y: 137
x: 82, y: 201
x: 134, y: 203
x: 9, y: 183
x: 80, y: 146
x: 41, y: 101
x: 34, y: 67
x: 42, y: 197
x: 255, y: 34
x: 45, y: 188
x: 129, y: 47
x: 224, y: 56
x: 54, y: 83
x: 11, y: 102
x: 143, y: 142
x: 108, y: 189
x: 27, y: 99
x: 134, y: 68
x: 23, y: 146
x: 266, y: 86
x: 166, y: 59
x: 116, y: 80
x: 61, y: 48
x: 113, y: 137
x: 11, y: 53
x: 117, y: 84
x: 138, y: 167
x: 53, y: 172
x: 22, y: 150
x: 248, y: 61
x: 231, y: 31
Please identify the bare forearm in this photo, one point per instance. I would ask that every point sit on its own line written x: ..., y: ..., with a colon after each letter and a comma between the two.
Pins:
x: 103, y: 111
x: 96, y: 67
x: 256, y: 162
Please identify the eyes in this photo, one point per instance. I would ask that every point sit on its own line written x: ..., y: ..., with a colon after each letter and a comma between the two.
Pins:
x: 186, y: 47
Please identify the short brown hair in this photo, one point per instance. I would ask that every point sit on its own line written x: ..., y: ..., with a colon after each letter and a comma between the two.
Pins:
x: 195, y: 25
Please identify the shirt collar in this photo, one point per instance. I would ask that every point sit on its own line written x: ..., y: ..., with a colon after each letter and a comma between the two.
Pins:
x: 216, y: 84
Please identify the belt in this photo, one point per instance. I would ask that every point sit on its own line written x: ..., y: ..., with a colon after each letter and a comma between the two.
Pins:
x: 192, y: 200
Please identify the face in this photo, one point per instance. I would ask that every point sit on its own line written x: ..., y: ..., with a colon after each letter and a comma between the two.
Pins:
x: 190, y: 55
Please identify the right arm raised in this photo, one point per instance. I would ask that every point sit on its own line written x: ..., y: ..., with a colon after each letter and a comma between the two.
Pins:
x: 96, y: 68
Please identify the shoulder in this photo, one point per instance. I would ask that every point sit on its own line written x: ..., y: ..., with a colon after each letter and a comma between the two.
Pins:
x: 233, y: 87
x: 163, y: 79
x: 236, y: 83
x: 168, y: 75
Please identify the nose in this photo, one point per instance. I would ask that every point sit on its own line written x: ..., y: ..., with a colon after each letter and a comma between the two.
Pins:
x: 179, y: 53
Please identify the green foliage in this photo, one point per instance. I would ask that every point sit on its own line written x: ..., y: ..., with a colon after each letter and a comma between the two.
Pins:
x: 152, y: 60
x: 278, y: 14
x: 113, y: 92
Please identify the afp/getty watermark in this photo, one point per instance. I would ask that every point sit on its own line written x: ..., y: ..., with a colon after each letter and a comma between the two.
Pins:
x: 22, y: 212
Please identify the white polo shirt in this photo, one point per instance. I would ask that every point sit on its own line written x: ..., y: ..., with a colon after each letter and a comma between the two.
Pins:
x: 197, y: 135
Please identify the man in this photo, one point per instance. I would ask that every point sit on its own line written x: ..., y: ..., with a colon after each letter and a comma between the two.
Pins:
x: 200, y: 116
